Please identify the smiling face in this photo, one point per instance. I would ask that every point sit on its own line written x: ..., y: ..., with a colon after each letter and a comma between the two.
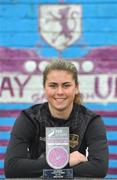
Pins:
x: 60, y: 89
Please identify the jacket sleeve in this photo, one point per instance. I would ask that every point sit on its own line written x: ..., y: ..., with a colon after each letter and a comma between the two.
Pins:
x: 17, y: 162
x: 96, y: 141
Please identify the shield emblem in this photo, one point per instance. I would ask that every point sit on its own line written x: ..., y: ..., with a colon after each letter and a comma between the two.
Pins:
x: 60, y: 25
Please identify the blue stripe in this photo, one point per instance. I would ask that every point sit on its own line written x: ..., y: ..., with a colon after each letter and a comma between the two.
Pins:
x: 100, y: 14
x: 27, y: 24
x: 3, y: 149
x: 112, y: 149
x: 75, y: 50
x: 111, y: 176
x: 110, y: 121
x: 5, y: 135
x: 100, y: 106
x: 7, y: 121
x: 112, y: 136
x: 11, y: 9
x: 113, y: 163
x: 29, y: 39
x: 93, y: 106
x: 14, y: 106
x: 2, y: 176
x: 109, y: 22
x: 1, y: 163
x: 100, y: 10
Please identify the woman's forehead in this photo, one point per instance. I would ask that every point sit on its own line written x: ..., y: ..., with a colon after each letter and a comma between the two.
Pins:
x: 59, y: 76
x: 59, y: 71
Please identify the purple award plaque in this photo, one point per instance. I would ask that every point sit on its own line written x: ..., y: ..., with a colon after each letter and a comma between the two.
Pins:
x: 57, y: 153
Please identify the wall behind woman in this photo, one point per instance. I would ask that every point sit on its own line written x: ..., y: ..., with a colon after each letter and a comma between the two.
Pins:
x: 34, y: 32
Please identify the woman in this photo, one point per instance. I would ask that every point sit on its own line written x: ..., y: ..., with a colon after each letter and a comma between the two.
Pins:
x: 25, y: 156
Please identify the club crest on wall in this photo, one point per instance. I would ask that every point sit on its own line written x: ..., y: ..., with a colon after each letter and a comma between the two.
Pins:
x: 60, y: 25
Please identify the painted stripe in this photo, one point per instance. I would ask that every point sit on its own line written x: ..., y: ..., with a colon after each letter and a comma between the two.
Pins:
x: 110, y: 121
x: 4, y: 135
x: 3, y: 149
x: 113, y: 163
x: 11, y: 106
x: 112, y: 142
x: 112, y: 149
x: 5, y: 128
x: 14, y: 113
x: 111, y: 176
x: 9, y: 128
x: 105, y: 107
x: 2, y: 156
x: 112, y: 136
x: 112, y: 171
x: 111, y: 128
x: 1, y: 171
x: 113, y: 156
x: 7, y: 121
x: 102, y: 106
x: 9, y: 113
x: 4, y: 142
x: 1, y: 163
x: 107, y: 113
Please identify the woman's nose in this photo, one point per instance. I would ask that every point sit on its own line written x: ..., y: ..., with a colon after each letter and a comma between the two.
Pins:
x: 60, y: 90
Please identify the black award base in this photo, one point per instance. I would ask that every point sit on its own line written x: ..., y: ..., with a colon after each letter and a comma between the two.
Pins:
x: 58, y: 174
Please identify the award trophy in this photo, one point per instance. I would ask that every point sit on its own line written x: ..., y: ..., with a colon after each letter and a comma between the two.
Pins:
x: 57, y: 153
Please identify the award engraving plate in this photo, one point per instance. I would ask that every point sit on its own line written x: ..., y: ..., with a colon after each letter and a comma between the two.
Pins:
x: 57, y: 153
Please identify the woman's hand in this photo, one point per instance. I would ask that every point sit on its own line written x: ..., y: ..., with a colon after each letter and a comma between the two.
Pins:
x: 76, y: 158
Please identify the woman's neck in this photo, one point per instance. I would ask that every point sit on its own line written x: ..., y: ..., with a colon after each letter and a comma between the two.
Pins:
x: 61, y: 114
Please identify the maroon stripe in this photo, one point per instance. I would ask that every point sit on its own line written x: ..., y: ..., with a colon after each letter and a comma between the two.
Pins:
x: 9, y: 113
x: 112, y: 171
x: 2, y: 156
x: 4, y: 142
x: 107, y: 113
x: 1, y: 171
x: 114, y: 143
x: 111, y: 128
x: 14, y: 113
x: 113, y: 156
x: 9, y: 128
x: 5, y: 128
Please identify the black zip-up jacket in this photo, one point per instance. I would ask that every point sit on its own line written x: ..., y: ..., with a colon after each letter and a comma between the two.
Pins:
x: 25, y: 156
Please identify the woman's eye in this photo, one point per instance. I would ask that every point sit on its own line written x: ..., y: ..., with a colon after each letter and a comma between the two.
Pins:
x: 66, y: 85
x: 52, y: 85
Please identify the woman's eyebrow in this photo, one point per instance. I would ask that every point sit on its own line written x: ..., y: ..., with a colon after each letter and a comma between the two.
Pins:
x: 52, y: 82
x: 67, y: 82
x: 62, y: 83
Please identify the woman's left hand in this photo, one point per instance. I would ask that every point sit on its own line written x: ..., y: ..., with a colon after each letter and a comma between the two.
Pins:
x: 76, y: 158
